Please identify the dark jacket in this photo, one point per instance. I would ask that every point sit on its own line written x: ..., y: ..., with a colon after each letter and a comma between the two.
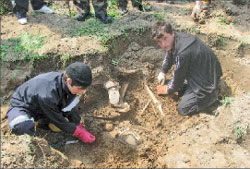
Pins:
x: 45, y: 96
x: 195, y: 62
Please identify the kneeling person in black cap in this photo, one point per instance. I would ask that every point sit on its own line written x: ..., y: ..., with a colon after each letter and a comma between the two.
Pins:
x: 51, y: 97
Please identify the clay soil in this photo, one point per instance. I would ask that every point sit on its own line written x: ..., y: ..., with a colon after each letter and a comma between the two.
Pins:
x: 216, y: 137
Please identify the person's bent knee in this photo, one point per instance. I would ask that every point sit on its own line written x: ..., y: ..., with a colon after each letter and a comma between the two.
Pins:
x: 26, y: 127
x: 184, y: 111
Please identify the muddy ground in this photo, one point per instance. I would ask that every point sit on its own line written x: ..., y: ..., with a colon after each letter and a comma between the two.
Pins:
x: 142, y: 137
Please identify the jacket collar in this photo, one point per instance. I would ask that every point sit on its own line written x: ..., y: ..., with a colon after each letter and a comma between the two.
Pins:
x: 181, y: 42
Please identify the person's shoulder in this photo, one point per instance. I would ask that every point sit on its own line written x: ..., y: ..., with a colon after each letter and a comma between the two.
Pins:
x: 185, y: 35
x: 49, y: 74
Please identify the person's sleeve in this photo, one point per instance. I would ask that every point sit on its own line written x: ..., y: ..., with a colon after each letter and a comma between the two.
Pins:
x: 74, y: 115
x: 55, y: 115
x: 167, y: 62
x: 179, y: 75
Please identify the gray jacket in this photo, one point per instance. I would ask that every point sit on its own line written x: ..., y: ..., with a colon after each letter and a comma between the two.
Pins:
x: 195, y: 62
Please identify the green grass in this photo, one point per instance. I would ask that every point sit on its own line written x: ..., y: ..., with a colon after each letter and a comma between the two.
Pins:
x: 159, y: 16
x: 222, y: 41
x: 93, y: 28
x: 26, y: 46
x: 113, y: 9
x: 71, y: 13
x: 241, y: 44
x: 240, y: 132
x: 4, y: 8
x: 227, y: 101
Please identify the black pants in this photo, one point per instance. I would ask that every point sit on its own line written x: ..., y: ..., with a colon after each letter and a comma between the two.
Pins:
x: 20, y: 121
x: 192, y: 103
x: 100, y: 6
x: 136, y: 3
x: 24, y: 125
x: 21, y: 7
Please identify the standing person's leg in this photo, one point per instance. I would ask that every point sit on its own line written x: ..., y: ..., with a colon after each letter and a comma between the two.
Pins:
x: 20, y: 121
x: 137, y: 4
x: 100, y: 7
x: 20, y: 9
x: 83, y: 9
x: 39, y: 6
x: 123, y: 6
x: 170, y: 2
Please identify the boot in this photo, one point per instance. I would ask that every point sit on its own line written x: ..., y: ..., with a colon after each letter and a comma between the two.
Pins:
x: 82, y: 17
x: 170, y: 2
x: 104, y: 18
x: 140, y: 7
x: 123, y: 11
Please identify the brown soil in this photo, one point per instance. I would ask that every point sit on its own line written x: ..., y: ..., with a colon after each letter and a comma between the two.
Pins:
x: 205, y: 140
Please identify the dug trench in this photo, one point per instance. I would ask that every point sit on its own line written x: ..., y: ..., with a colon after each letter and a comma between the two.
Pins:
x: 143, y: 136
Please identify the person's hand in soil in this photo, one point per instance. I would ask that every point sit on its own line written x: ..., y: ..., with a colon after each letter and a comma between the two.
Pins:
x: 83, y: 134
x: 161, y: 78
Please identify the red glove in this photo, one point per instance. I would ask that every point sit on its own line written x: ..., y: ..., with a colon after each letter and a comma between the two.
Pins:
x: 83, y: 134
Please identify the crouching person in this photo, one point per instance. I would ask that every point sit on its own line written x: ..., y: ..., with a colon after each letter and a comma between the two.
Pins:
x: 198, y: 71
x: 51, y: 97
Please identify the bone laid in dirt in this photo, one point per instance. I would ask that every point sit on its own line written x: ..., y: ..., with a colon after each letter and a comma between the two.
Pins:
x: 145, y: 107
x: 159, y: 106
x: 123, y: 92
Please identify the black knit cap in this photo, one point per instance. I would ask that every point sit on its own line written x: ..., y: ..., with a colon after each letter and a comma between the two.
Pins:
x: 80, y: 74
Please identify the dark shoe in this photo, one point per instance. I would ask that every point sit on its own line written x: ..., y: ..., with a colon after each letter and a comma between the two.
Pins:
x: 123, y: 11
x: 82, y: 17
x: 170, y: 2
x: 140, y: 7
x: 104, y: 19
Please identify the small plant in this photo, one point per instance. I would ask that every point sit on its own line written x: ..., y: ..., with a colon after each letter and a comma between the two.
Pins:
x: 64, y: 59
x: 184, y: 11
x: 71, y: 13
x: 239, y: 131
x: 194, y: 29
x: 227, y: 101
x: 5, y: 7
x: 242, y: 44
x: 114, y: 63
x: 223, y: 21
x: 222, y: 41
x: 112, y: 8
x: 159, y: 16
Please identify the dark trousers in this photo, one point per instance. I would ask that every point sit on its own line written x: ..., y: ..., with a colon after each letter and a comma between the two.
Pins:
x: 100, y: 6
x: 20, y: 121
x: 23, y: 125
x: 136, y: 3
x: 192, y: 103
x: 21, y: 7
